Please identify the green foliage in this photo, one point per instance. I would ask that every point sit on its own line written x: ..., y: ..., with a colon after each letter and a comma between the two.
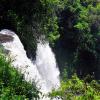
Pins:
x: 75, y: 22
x: 50, y: 19
x: 17, y: 21
x: 12, y: 83
x: 20, y: 17
x: 77, y: 89
x: 84, y: 14
x: 79, y: 28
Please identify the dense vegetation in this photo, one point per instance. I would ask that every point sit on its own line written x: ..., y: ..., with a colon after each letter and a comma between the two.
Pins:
x: 72, y: 24
x: 13, y: 85
x: 75, y: 23
x: 76, y: 89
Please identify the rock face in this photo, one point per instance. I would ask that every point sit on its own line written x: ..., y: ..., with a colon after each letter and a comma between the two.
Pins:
x: 5, y: 38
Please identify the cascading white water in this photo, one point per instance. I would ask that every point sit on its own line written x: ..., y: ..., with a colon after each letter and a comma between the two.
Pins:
x: 44, y: 71
x: 19, y: 57
x: 46, y: 64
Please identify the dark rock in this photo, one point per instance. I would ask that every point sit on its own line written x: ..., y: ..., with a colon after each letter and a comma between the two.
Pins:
x: 5, y: 38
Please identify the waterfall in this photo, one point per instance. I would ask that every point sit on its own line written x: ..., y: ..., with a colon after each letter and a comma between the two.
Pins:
x: 46, y: 65
x: 44, y: 71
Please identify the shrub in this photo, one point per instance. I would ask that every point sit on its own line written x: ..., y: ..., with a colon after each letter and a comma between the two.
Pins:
x: 77, y: 89
x: 12, y: 83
